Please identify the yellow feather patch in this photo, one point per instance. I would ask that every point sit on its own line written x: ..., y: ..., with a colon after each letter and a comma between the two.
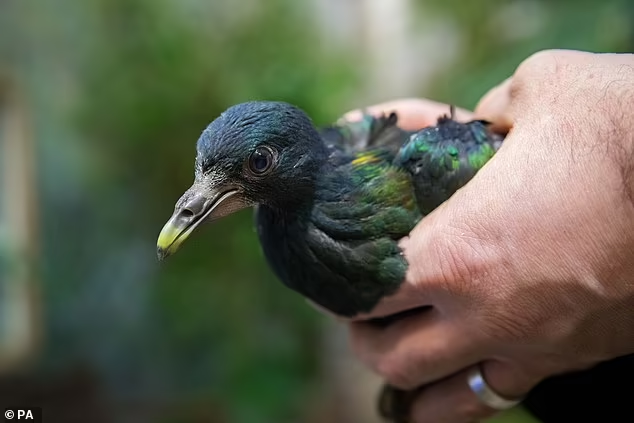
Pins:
x: 365, y: 158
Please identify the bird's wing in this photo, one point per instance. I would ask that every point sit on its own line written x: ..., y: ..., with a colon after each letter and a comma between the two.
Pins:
x: 369, y: 133
x: 444, y: 157
x: 377, y: 201
x: 364, y: 208
x: 374, y: 209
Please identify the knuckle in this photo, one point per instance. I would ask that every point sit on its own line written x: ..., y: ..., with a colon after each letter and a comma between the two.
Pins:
x: 393, y: 369
x: 455, y: 267
x: 541, y: 74
x: 448, y: 253
x: 544, y: 63
x: 465, y: 258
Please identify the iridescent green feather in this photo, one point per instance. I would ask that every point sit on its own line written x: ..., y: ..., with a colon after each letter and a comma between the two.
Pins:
x: 443, y: 158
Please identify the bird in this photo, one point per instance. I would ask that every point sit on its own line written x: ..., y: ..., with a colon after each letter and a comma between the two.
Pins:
x: 331, y: 202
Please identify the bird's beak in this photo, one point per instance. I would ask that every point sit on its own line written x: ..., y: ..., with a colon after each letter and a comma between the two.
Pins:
x: 191, y: 210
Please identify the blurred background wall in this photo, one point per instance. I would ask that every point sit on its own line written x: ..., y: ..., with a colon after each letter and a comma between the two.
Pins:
x: 100, y: 106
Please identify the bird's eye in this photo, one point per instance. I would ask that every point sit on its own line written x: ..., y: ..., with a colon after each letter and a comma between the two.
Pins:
x: 261, y: 160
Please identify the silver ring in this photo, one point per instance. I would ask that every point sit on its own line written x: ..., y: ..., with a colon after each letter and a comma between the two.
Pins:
x: 487, y: 395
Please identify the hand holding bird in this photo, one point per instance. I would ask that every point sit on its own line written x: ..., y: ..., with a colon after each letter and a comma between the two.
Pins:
x: 528, y: 268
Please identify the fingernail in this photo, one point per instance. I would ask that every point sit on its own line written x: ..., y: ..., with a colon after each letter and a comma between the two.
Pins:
x: 352, y: 116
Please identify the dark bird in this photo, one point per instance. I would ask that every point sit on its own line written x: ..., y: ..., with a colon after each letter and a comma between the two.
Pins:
x: 331, y: 203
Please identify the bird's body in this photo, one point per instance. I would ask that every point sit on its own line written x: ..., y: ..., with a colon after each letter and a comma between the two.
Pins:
x: 333, y: 202
x: 340, y: 247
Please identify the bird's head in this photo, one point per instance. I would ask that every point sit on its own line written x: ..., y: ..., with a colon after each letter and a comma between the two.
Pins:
x: 254, y: 153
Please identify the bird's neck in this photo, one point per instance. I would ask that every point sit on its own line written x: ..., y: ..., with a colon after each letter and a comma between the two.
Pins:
x: 282, y: 225
x: 302, y: 183
x: 289, y: 211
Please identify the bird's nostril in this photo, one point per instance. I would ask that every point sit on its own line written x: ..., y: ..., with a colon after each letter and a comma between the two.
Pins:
x: 191, y: 208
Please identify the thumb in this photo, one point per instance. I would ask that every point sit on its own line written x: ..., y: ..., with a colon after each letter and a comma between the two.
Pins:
x: 495, y: 107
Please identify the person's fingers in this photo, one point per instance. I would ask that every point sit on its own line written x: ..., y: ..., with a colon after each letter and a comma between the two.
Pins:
x: 418, y: 349
x: 451, y: 400
x: 495, y: 107
x: 413, y: 113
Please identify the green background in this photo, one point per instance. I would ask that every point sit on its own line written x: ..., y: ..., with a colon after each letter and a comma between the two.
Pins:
x: 117, y: 92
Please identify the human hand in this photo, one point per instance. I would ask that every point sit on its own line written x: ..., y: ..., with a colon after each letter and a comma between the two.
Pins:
x: 530, y: 267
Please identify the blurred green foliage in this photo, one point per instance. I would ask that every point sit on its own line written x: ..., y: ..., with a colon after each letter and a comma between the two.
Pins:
x: 491, y: 54
x: 120, y: 91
